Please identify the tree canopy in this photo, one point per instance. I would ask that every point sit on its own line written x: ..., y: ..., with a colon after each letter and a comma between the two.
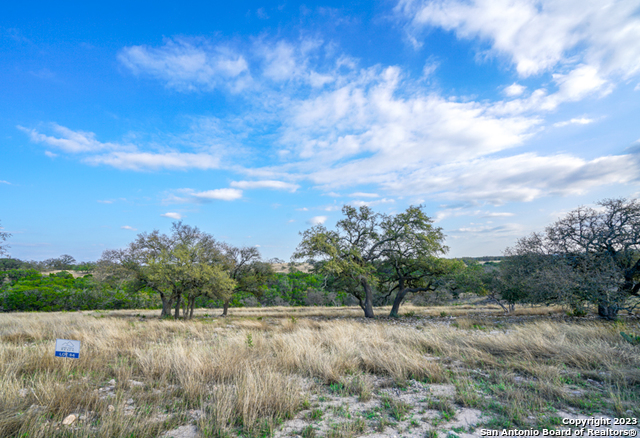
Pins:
x: 247, y: 269
x: 409, y: 250
x: 592, y: 255
x: 183, y: 265
x: 368, y: 248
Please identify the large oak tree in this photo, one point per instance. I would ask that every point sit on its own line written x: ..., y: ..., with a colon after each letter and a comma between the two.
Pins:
x: 591, y: 255
x: 183, y: 265
x: 367, y: 248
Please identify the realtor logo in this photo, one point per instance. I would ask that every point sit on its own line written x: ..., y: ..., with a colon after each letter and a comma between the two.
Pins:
x: 67, y: 348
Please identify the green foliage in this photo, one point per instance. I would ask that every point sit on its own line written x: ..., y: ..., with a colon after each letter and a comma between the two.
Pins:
x: 249, y: 340
x: 17, y: 274
x: 349, y: 253
x: 293, y: 289
x: 10, y: 264
x: 31, y: 291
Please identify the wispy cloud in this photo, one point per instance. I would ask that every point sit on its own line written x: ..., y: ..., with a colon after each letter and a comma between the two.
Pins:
x: 192, y: 196
x: 339, y: 127
x: 317, y: 220
x: 68, y: 140
x: 513, y: 229
x: 172, y: 215
x: 518, y: 178
x: 127, y: 227
x: 220, y: 194
x: 5, y: 182
x: 537, y: 37
x: 575, y: 121
x: 266, y: 184
x: 129, y: 156
x: 155, y: 161
x: 364, y: 195
x: 514, y: 90
x: 189, y: 64
x: 360, y: 203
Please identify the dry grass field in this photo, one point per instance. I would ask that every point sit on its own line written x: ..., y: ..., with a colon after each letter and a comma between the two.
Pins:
x: 312, y: 372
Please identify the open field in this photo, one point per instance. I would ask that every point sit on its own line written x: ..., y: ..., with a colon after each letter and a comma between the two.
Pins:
x: 312, y: 372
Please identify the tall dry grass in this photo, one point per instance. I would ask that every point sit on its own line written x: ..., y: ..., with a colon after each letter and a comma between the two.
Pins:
x: 248, y: 373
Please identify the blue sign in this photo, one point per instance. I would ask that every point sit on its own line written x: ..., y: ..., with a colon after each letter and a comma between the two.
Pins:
x: 67, y: 348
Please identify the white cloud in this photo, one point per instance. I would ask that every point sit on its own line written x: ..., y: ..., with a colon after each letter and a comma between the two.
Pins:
x: 466, y: 209
x: 189, y: 64
x: 127, y: 227
x: 283, y: 61
x: 172, y: 215
x: 129, y: 157
x: 69, y: 141
x: 50, y: 154
x: 509, y: 229
x: 580, y: 82
x: 181, y: 196
x: 155, y: 161
x: 360, y: 203
x: 219, y: 194
x: 364, y: 195
x: 317, y: 220
x: 574, y: 121
x: 538, y: 36
x: 521, y: 178
x: 5, y: 182
x: 372, y: 117
x: 429, y: 68
x: 514, y: 90
x: 266, y: 184
x: 105, y: 201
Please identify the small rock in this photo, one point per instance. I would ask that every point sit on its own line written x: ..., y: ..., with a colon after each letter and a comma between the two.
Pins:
x: 182, y: 432
x: 135, y: 383
x: 112, y: 382
x: 130, y: 401
x: 110, y: 408
x: 69, y: 420
x: 23, y: 392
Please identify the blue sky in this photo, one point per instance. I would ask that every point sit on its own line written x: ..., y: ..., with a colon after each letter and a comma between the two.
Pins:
x: 255, y: 120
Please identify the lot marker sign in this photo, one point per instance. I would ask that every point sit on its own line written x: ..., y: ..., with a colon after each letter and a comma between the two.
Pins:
x: 67, y: 348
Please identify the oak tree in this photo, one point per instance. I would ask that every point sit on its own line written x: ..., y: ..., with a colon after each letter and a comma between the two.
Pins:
x: 592, y: 255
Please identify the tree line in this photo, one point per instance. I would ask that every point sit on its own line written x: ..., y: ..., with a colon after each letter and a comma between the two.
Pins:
x: 590, y: 257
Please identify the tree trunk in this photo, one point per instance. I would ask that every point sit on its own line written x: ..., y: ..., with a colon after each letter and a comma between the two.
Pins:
x: 608, y: 312
x: 166, y: 305
x: 192, y: 305
x: 178, y: 302
x: 397, y: 301
x: 225, y: 307
x: 368, y: 299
